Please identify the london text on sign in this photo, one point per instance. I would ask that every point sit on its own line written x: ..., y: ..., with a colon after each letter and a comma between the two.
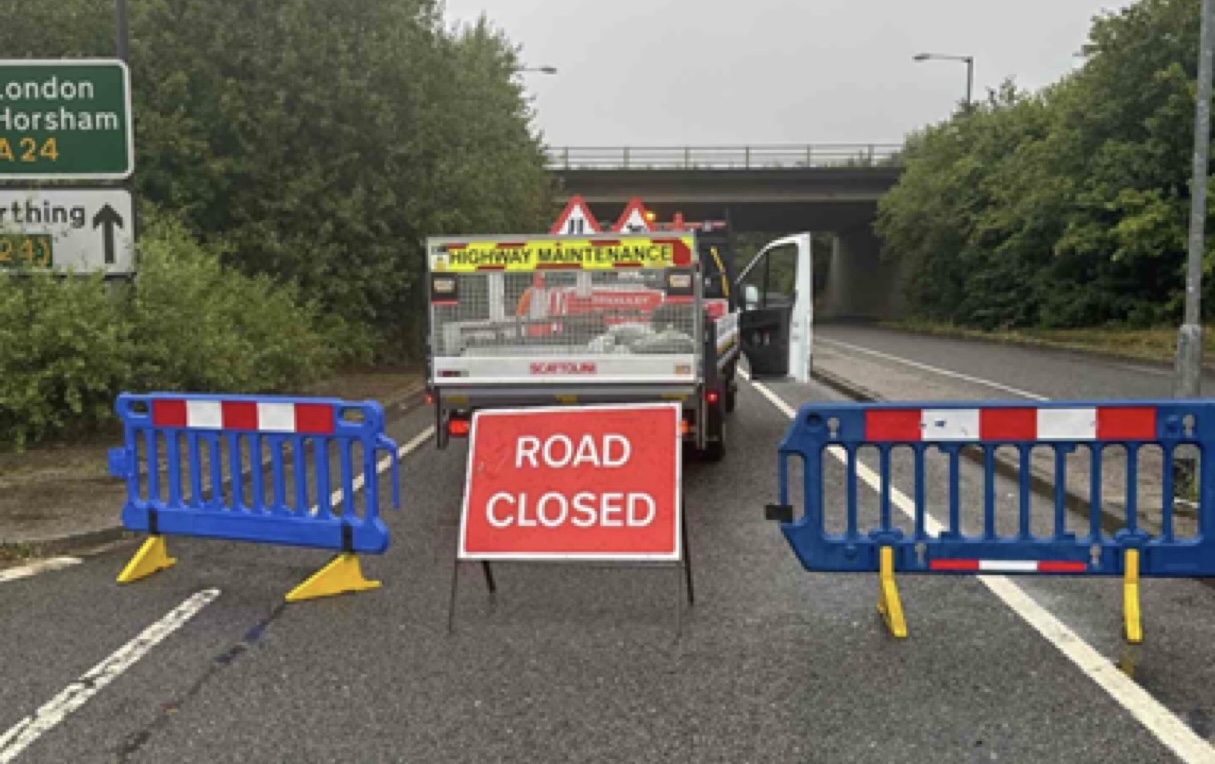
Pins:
x: 65, y: 119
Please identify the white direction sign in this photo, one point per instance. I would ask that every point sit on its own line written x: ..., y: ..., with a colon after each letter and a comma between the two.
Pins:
x: 67, y: 230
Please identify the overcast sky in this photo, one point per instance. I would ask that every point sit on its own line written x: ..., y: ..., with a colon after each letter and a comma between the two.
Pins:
x: 667, y: 72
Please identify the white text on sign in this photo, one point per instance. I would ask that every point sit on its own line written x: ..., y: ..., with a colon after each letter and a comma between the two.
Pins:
x: 584, y: 509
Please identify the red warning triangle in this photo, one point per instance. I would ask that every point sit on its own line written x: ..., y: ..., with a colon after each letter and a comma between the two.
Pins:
x: 634, y: 218
x: 575, y: 219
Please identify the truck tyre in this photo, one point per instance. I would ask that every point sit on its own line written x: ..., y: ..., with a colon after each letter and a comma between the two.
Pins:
x: 715, y: 450
x: 731, y: 394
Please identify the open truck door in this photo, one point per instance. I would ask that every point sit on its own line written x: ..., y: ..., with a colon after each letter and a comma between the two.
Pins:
x: 775, y: 294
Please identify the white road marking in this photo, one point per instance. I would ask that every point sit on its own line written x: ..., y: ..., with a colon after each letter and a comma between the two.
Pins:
x: 1151, y: 713
x: 412, y: 445
x: 936, y: 370
x: 335, y: 499
x: 1143, y: 370
x: 40, y: 566
x: 25, y: 732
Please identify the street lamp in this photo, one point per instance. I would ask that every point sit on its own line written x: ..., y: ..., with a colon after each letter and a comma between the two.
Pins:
x: 1188, y: 378
x: 970, y: 67
x: 540, y: 69
x: 123, y: 29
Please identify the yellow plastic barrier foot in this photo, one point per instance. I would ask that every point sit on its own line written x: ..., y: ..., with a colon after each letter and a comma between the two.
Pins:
x: 343, y: 574
x: 1132, y: 622
x: 152, y: 557
x: 889, y: 604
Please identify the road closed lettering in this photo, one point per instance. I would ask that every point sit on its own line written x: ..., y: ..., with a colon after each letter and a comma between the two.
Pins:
x: 598, y: 482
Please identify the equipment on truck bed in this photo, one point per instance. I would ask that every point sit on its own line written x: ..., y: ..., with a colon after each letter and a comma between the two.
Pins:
x: 603, y: 318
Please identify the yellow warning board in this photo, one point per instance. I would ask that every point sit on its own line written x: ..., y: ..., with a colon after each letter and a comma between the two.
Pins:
x: 566, y: 253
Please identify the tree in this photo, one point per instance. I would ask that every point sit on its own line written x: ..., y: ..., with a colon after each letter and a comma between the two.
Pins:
x: 318, y: 141
x: 1066, y: 207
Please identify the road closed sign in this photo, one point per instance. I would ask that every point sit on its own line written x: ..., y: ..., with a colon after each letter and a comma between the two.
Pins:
x: 587, y: 483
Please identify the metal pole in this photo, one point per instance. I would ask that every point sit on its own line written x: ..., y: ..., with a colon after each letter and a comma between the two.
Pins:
x: 123, y: 30
x: 970, y: 78
x: 1188, y: 381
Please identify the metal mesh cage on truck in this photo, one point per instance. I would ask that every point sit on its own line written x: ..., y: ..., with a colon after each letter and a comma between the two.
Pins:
x: 558, y: 305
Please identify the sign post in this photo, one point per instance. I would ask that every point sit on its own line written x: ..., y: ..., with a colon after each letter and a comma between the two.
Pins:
x: 586, y: 484
x: 65, y: 120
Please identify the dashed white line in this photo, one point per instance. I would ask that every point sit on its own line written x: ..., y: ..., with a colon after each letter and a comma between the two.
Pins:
x: 412, y: 445
x: 40, y: 566
x: 936, y: 370
x: 355, y: 485
x: 1151, y: 713
x: 22, y: 734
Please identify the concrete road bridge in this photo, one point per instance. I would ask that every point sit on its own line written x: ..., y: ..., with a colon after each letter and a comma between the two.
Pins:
x: 771, y: 189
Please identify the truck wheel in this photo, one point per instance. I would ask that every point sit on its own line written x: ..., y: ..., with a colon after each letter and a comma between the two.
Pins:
x: 731, y: 396
x: 715, y: 450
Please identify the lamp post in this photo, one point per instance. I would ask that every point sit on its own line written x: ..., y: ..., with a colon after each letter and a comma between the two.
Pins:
x: 122, y: 30
x: 1188, y: 381
x: 540, y: 69
x: 968, y: 60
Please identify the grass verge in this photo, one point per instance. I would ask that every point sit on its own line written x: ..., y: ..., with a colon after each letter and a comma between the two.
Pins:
x: 1157, y: 345
x: 84, y: 459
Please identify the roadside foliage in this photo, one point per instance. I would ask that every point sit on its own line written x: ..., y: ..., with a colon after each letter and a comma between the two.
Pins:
x: 1066, y: 207
x: 292, y: 155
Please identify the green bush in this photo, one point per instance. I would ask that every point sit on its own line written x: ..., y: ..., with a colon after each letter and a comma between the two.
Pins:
x: 200, y: 327
x: 64, y: 351
x: 1066, y: 207
x: 68, y: 346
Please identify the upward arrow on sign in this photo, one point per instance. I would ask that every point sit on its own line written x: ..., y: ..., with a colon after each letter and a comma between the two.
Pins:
x: 105, y: 219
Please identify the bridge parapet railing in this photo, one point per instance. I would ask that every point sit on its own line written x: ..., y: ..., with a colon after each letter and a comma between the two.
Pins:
x: 724, y: 157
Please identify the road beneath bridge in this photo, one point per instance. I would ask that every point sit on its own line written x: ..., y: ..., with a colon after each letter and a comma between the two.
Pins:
x: 775, y: 190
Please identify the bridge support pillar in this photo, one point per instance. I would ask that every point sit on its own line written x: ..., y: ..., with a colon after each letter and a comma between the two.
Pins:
x: 860, y: 284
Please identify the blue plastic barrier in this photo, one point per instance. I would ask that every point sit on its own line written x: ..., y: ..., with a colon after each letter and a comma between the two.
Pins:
x: 195, y: 466
x: 838, y: 431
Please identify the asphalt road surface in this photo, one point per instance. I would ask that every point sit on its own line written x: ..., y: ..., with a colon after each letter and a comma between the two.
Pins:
x: 574, y: 663
x: 994, y: 370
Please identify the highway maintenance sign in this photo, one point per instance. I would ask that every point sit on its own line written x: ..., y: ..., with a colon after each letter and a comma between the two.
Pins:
x: 603, y: 252
x: 67, y: 230
x: 586, y: 483
x: 65, y: 119
x: 576, y: 219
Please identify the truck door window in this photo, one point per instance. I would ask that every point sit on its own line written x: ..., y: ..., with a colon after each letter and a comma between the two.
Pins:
x: 772, y: 279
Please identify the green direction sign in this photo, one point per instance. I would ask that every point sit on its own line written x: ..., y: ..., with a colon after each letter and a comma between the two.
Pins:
x: 65, y: 119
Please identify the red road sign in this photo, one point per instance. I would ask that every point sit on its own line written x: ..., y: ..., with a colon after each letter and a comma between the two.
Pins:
x: 589, y: 483
x: 576, y: 219
x: 634, y: 219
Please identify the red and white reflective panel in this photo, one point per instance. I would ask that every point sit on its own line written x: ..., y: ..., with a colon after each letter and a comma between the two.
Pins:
x: 1009, y: 566
x: 283, y: 417
x: 1004, y: 424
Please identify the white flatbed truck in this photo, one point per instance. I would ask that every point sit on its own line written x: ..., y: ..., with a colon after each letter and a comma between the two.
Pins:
x: 518, y: 321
